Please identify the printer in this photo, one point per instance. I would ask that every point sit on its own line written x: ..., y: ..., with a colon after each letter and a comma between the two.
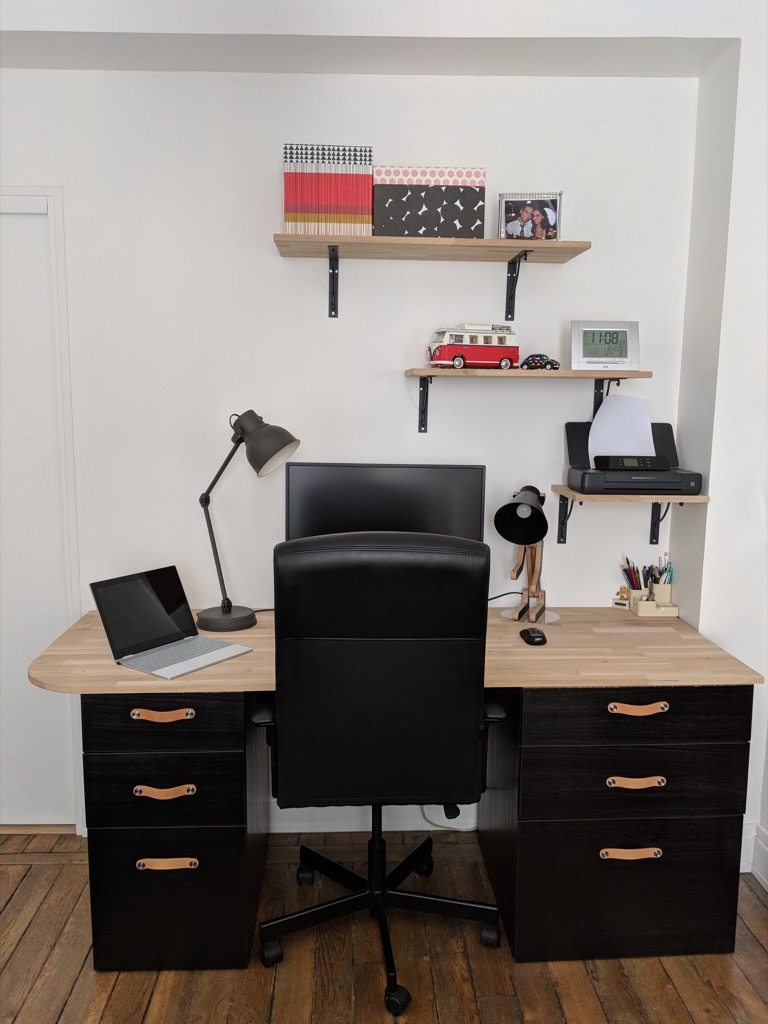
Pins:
x: 641, y: 474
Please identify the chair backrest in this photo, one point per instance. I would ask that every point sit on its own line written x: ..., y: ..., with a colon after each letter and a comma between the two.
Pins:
x: 380, y: 664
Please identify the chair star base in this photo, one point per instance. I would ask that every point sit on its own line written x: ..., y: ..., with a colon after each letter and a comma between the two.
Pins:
x: 375, y: 893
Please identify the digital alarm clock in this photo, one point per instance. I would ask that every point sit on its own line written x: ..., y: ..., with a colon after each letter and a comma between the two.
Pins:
x: 605, y: 345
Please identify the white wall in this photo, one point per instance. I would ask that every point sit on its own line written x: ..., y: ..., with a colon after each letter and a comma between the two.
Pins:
x: 181, y: 311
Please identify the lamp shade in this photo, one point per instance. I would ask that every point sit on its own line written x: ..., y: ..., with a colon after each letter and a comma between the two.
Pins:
x: 266, y: 446
x: 522, y: 521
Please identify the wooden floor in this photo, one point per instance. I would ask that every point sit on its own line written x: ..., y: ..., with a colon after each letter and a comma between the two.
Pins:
x: 333, y: 975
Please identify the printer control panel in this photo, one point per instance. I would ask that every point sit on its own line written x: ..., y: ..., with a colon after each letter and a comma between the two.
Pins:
x: 631, y: 462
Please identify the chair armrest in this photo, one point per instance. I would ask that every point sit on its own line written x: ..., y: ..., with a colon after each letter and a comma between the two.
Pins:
x: 263, y: 711
x: 494, y: 712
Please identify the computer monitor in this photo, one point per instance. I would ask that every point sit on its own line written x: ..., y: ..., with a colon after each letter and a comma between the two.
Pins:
x: 325, y: 497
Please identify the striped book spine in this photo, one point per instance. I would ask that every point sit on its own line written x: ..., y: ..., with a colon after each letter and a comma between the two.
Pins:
x: 328, y: 189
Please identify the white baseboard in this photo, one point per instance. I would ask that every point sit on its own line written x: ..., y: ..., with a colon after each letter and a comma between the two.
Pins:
x: 759, y: 865
x: 358, y: 819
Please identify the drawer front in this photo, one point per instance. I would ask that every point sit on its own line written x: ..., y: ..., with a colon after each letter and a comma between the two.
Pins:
x: 198, y: 721
x: 140, y: 790
x: 656, y: 780
x: 173, y: 919
x: 577, y: 905
x: 695, y: 714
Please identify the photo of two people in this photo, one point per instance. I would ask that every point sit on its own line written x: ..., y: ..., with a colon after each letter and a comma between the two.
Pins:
x: 534, y: 216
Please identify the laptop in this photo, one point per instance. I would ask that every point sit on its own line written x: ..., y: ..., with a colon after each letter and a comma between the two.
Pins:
x: 149, y: 625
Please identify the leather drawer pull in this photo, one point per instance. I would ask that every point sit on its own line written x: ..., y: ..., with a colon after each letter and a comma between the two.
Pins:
x: 642, y: 853
x: 166, y: 863
x: 177, y: 715
x: 165, y: 794
x: 650, y: 782
x: 638, y: 710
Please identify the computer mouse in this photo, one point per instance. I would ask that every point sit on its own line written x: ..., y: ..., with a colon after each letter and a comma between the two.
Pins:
x: 533, y: 636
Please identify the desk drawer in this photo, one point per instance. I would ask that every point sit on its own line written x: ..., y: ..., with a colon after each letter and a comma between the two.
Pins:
x: 576, y: 905
x: 572, y: 782
x: 175, y: 789
x: 198, y: 721
x: 695, y: 714
x: 171, y: 919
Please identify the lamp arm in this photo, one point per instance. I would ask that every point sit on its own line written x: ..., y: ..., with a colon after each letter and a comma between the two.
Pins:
x: 205, y: 501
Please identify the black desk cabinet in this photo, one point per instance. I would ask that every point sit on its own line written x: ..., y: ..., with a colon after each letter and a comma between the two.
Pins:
x: 561, y: 813
x: 176, y: 794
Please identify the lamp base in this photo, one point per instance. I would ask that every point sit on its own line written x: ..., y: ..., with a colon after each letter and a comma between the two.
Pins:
x: 223, y: 622
x: 509, y: 613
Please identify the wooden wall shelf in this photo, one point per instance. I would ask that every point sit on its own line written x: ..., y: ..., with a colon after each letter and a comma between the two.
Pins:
x: 474, y: 250
x: 448, y: 371
x: 568, y: 496
x: 426, y: 373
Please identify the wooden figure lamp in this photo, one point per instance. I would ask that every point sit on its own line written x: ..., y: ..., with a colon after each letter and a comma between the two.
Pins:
x: 523, y: 522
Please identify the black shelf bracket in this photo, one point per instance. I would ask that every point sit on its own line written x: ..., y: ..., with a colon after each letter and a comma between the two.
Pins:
x: 424, y: 383
x: 601, y: 393
x: 333, y: 280
x: 564, y: 510
x: 513, y: 272
x: 656, y: 519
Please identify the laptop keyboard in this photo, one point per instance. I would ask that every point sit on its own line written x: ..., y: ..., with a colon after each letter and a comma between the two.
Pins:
x: 172, y: 654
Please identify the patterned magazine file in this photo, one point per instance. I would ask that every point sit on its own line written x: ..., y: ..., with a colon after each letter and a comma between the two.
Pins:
x: 327, y: 189
x: 432, y: 202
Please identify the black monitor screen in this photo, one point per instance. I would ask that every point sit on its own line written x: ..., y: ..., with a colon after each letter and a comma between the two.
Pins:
x: 323, y: 497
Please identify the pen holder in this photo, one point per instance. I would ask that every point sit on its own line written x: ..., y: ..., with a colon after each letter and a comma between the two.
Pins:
x: 657, y: 605
x: 636, y: 597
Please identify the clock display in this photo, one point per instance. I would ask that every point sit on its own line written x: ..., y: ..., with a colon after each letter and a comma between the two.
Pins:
x: 604, y: 344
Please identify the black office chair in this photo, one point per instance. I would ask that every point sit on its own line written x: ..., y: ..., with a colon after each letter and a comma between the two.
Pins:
x: 379, y: 700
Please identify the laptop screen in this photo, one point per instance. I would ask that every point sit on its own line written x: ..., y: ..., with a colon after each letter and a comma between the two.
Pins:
x: 143, y: 610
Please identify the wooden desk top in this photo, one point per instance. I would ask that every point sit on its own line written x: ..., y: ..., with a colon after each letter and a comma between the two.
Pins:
x: 586, y: 647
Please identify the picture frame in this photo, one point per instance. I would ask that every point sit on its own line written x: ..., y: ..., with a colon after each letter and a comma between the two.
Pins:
x: 533, y: 215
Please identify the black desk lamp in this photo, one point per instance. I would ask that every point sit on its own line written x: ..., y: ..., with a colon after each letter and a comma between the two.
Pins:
x: 266, y: 448
x: 523, y: 522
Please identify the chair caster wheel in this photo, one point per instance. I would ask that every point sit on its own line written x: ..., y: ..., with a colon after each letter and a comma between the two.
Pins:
x: 305, y: 874
x: 396, y: 999
x: 426, y: 868
x: 271, y: 953
x: 489, y: 935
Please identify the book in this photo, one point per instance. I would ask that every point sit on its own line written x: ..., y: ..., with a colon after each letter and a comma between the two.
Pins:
x: 327, y: 189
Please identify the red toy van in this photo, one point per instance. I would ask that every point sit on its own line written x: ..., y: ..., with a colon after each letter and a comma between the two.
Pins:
x: 482, y: 346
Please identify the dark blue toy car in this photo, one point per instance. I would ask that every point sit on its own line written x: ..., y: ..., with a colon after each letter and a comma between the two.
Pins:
x: 539, y: 362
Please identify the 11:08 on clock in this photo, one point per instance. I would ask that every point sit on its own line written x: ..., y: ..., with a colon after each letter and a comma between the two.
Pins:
x: 605, y: 345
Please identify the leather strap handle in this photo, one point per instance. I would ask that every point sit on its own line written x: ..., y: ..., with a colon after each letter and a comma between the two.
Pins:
x: 638, y: 710
x: 148, y: 715
x: 641, y: 853
x: 621, y: 782
x: 165, y: 794
x: 167, y: 863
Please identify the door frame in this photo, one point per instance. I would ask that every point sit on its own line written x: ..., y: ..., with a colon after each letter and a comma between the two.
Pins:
x: 49, y: 201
